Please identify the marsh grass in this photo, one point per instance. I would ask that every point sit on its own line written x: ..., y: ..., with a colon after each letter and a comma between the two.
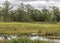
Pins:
x: 4, y: 41
x: 26, y: 40
x: 26, y: 28
x: 22, y: 40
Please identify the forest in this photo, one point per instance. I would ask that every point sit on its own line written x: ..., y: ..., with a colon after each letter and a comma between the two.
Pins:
x: 27, y: 13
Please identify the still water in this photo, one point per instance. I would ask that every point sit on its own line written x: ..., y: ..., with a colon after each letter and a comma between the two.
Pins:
x: 31, y: 37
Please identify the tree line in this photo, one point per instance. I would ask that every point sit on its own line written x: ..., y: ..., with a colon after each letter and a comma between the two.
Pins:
x: 27, y: 13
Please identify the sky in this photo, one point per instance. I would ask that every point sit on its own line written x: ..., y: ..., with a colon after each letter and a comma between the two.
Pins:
x: 35, y: 3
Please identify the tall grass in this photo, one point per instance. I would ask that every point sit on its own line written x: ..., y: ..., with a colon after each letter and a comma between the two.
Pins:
x: 21, y: 28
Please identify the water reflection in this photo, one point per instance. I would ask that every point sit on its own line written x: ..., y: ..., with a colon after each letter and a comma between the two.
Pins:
x: 31, y: 37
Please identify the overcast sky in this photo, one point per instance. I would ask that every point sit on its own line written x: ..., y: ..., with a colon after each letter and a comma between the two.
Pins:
x: 34, y: 3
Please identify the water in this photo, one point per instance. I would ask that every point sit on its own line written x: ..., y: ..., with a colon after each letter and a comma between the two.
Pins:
x: 32, y: 38
x: 1, y: 38
x: 45, y: 39
x: 8, y: 37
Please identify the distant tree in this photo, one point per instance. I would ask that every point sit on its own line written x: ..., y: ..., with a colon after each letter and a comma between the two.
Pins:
x: 35, y: 15
x: 13, y: 16
x: 27, y: 13
x: 6, y: 8
x: 45, y: 15
x: 0, y: 13
x: 56, y: 14
x: 21, y: 14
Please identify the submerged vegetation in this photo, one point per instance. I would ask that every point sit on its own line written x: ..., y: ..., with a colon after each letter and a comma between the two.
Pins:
x: 23, y: 40
x: 26, y: 40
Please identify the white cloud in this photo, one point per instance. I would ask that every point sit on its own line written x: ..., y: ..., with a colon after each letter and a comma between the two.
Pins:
x: 35, y: 3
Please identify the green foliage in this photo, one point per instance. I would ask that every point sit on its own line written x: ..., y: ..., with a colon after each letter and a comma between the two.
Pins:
x: 26, y: 40
x: 27, y: 13
x: 22, y: 40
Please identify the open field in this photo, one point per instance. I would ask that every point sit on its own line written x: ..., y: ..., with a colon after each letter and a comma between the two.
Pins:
x: 19, y: 28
